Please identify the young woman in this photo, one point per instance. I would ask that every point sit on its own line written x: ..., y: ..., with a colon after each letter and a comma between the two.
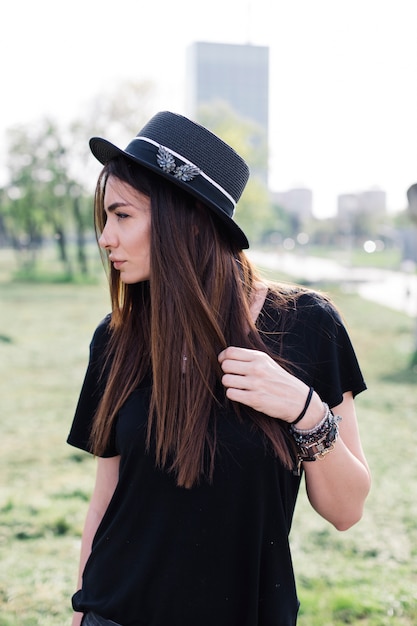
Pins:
x: 208, y: 393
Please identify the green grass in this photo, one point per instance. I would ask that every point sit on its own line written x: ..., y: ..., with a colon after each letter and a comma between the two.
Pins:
x: 45, y: 484
x: 388, y: 259
x: 366, y: 576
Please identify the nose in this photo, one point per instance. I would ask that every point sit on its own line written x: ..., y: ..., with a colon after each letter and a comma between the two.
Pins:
x: 107, y: 238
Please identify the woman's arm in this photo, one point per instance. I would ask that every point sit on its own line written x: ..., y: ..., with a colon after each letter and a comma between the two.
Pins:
x: 338, y: 484
x: 106, y: 480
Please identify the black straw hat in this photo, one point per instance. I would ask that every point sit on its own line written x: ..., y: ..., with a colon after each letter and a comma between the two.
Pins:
x: 191, y: 157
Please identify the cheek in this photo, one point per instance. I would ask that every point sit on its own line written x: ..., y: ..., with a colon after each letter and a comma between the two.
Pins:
x: 141, y: 242
x: 147, y: 238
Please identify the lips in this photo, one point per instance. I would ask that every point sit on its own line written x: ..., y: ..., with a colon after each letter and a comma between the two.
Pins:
x: 117, y: 263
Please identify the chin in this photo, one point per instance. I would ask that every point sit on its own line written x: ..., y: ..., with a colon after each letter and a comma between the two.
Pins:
x: 133, y: 280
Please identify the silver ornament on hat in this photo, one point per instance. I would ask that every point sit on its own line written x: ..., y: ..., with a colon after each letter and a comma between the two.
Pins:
x: 186, y: 172
x: 166, y: 162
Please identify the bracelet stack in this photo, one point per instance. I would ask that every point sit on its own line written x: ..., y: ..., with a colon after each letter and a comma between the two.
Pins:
x: 316, y: 442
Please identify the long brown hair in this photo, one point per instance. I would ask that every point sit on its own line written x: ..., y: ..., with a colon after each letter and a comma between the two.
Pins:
x: 173, y: 327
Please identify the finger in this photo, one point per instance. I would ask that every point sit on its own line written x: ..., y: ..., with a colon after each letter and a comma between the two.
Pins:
x: 230, y: 366
x: 236, y: 381
x: 236, y: 354
x: 240, y: 395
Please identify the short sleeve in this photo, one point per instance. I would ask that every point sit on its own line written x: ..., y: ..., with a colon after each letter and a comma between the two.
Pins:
x: 312, y: 339
x: 335, y: 366
x: 91, y: 392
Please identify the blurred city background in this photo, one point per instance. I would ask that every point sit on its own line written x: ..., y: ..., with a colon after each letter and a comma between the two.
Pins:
x: 237, y: 89
x: 320, y: 98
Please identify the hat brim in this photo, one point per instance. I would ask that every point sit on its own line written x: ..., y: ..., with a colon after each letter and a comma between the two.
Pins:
x: 104, y: 151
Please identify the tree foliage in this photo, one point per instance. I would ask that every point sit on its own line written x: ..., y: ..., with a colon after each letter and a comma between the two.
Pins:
x: 254, y: 211
x: 41, y: 196
x: 50, y: 179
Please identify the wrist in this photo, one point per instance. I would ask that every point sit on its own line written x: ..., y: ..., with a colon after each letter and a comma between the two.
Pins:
x: 312, y: 414
x: 316, y: 442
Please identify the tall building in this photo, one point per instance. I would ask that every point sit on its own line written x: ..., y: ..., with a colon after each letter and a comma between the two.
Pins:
x: 235, y: 74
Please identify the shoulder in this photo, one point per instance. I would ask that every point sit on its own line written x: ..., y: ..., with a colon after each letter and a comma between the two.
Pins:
x: 303, y: 314
x: 299, y: 304
x: 315, y: 306
x: 103, y: 328
x: 306, y: 328
x: 101, y: 335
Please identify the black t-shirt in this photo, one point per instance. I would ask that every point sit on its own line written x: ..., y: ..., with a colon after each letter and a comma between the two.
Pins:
x: 217, y: 554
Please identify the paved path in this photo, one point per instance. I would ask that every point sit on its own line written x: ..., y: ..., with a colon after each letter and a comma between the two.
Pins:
x: 396, y: 290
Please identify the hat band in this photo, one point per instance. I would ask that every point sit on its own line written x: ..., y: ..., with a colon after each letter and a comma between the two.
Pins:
x: 194, y: 168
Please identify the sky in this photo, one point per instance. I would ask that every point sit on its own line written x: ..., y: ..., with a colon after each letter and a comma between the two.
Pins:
x: 343, y: 76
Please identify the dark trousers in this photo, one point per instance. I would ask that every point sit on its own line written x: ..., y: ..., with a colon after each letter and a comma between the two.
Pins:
x: 92, y: 619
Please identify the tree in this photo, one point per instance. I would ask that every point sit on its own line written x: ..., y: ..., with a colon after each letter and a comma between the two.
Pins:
x: 40, y: 201
x: 49, y: 169
x: 117, y: 114
x: 412, y: 211
x: 254, y: 211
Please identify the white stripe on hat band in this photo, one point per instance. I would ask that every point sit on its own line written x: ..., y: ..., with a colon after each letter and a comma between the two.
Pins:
x: 179, y: 156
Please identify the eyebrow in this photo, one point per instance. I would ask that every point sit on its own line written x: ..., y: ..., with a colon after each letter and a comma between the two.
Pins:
x: 116, y: 205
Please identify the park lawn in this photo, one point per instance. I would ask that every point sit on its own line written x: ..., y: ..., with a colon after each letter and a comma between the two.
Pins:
x: 368, y: 575
x: 364, y: 576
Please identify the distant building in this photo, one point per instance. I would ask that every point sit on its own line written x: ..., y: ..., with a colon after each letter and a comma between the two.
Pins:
x: 297, y: 202
x: 235, y: 74
x: 370, y: 202
x: 347, y: 205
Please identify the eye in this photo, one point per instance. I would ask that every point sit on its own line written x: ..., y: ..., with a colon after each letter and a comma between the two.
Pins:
x: 121, y: 216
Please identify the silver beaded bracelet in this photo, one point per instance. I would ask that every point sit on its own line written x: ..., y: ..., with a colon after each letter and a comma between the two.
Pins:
x: 316, y: 442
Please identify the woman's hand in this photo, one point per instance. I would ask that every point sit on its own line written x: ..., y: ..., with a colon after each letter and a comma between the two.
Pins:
x: 251, y: 377
x: 338, y: 485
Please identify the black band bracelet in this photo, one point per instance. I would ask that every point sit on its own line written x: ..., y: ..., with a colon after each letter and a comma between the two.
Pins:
x: 307, y: 404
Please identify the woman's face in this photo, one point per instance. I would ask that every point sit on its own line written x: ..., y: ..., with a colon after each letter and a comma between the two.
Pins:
x: 126, y: 234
